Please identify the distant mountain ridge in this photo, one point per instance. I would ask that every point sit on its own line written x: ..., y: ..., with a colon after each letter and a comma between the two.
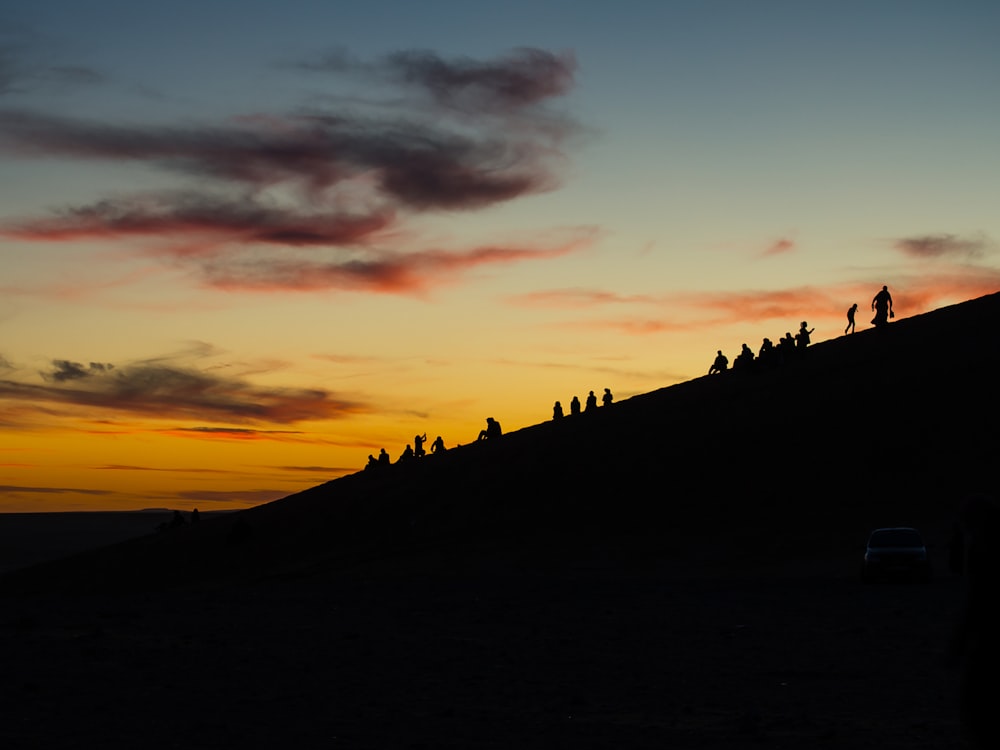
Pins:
x: 886, y: 426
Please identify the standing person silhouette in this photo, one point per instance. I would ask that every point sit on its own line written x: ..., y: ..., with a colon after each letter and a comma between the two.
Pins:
x: 591, y: 402
x: 607, y: 398
x: 882, y: 306
x: 850, y: 317
x: 574, y: 406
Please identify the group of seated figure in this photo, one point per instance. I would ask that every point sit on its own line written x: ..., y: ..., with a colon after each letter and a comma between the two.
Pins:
x: 788, y: 346
x: 574, y: 405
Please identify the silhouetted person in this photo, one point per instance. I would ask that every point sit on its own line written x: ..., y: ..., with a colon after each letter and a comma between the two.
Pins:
x: 766, y: 353
x: 574, y: 406
x: 383, y: 458
x: 977, y: 640
x: 850, y: 317
x: 195, y: 518
x: 406, y: 455
x: 492, y: 430
x: 372, y: 464
x: 557, y: 411
x: 177, y: 520
x: 591, y: 402
x: 418, y: 445
x: 438, y: 445
x: 720, y: 364
x: 802, y: 337
x: 607, y: 398
x: 744, y: 360
x: 882, y: 306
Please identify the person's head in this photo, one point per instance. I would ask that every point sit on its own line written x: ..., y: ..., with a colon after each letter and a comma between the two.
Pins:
x: 885, y: 288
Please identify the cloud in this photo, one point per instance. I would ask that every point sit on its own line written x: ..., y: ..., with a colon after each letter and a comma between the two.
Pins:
x: 940, y: 246
x: 165, y: 391
x: 523, y: 78
x: 374, y: 271
x: 339, y: 182
x: 779, y: 247
x: 64, y: 370
x: 51, y: 490
x: 579, y: 298
x: 254, y: 497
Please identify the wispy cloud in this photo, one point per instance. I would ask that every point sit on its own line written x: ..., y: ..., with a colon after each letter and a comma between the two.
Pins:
x: 346, y: 181
x: 779, y: 247
x: 171, y: 391
x: 19, y: 489
x: 942, y: 246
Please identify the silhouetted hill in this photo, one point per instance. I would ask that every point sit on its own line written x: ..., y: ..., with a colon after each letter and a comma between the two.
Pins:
x: 792, y: 463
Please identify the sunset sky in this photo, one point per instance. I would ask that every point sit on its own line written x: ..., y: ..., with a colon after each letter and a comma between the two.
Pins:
x: 244, y: 244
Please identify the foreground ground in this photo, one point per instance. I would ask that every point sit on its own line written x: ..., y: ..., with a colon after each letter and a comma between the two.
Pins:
x: 525, y: 654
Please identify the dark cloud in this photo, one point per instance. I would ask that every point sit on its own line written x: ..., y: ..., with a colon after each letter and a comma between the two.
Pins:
x: 345, y: 179
x: 521, y: 79
x: 941, y: 245
x: 63, y: 370
x: 172, y: 392
x: 51, y: 490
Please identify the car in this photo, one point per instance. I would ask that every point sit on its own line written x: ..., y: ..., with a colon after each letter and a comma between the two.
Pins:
x: 896, y: 553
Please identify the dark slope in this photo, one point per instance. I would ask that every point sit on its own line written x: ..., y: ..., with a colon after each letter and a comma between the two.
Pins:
x: 796, y: 462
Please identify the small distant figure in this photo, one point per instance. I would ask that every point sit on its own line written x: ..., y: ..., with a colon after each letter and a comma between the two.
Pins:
x: 406, y: 455
x: 418, y: 445
x: 574, y: 406
x: 557, y: 412
x: 492, y: 430
x: 720, y: 364
x: 372, y: 464
x: 177, y: 520
x: 802, y: 337
x: 591, y: 402
x: 195, y: 518
x: 438, y: 445
x: 882, y: 307
x: 383, y: 458
x: 850, y: 317
x: 607, y: 398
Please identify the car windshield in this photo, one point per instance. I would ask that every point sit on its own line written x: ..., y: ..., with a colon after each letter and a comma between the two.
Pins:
x: 895, y: 538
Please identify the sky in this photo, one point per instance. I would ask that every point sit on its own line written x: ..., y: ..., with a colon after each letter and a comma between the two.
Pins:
x: 245, y: 244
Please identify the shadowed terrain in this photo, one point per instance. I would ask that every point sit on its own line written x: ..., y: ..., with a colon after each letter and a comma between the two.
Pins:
x: 676, y: 570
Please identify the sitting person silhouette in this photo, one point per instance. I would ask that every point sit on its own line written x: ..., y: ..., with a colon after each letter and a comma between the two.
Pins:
x: 492, y: 430
x: 418, y: 445
x: 607, y: 398
x: 383, y: 458
x: 574, y: 406
x: 557, y: 411
x: 720, y: 364
x: 406, y: 455
x: 438, y: 445
x: 744, y: 359
x: 591, y: 402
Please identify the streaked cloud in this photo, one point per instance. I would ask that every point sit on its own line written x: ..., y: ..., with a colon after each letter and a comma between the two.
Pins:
x: 342, y: 185
x: 171, y: 391
x: 23, y: 489
x: 779, y: 247
x: 942, y: 246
